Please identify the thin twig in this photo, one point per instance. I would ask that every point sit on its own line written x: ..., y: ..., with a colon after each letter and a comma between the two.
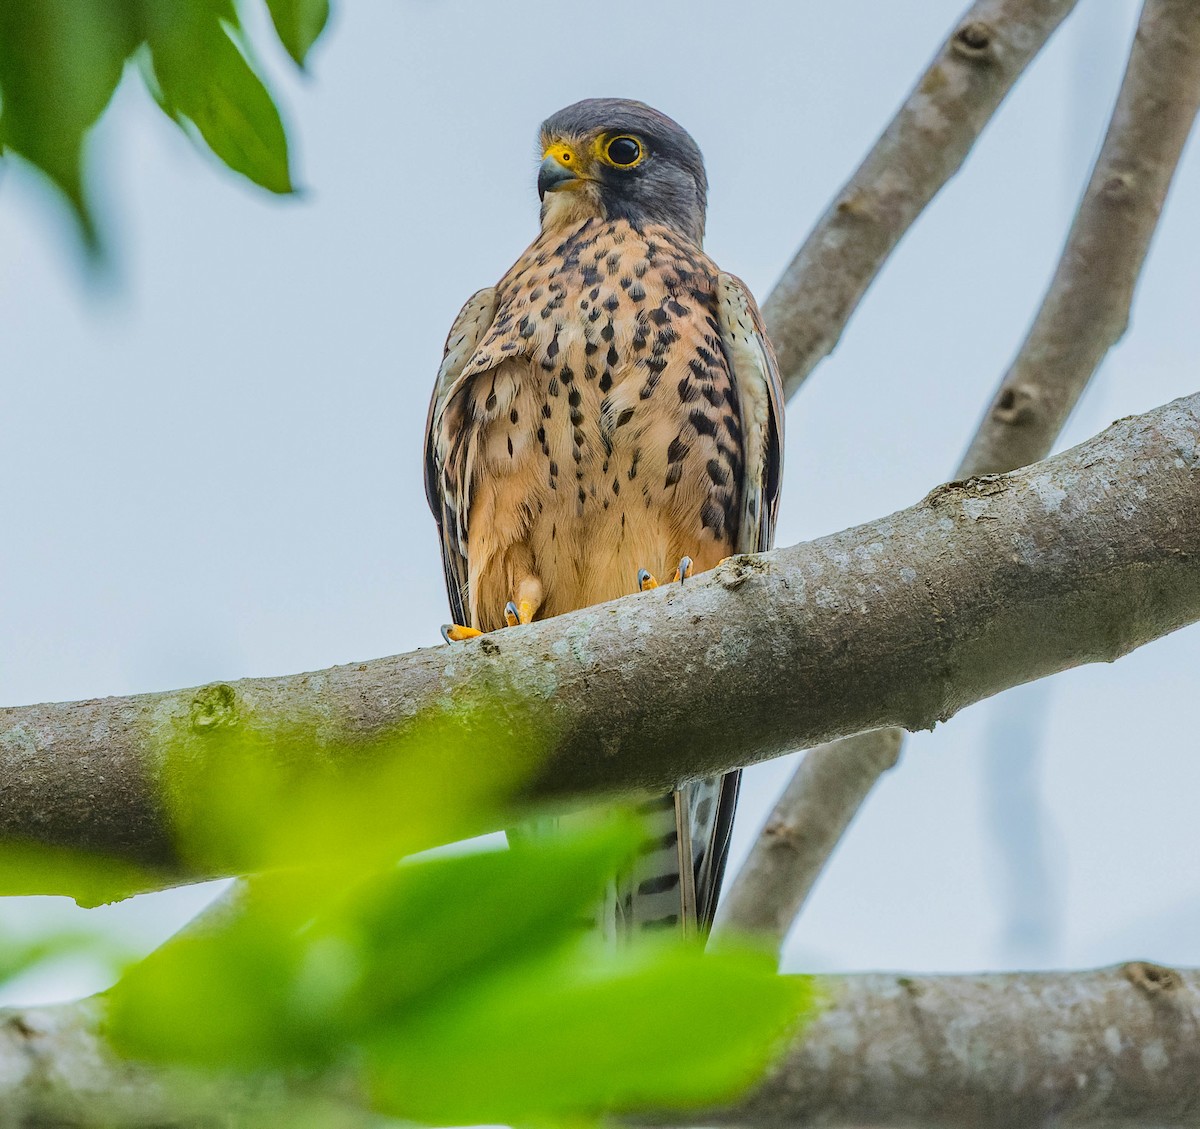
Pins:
x: 922, y: 148
x: 1084, y: 313
x: 1086, y: 309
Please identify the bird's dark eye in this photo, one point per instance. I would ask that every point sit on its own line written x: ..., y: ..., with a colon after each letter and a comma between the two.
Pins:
x: 624, y: 152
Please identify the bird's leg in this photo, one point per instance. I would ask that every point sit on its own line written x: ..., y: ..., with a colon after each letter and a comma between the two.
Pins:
x: 456, y: 633
x: 684, y: 570
x: 523, y: 608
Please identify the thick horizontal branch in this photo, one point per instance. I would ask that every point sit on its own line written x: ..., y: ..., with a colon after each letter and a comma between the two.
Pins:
x: 1114, y: 1048
x: 923, y: 146
x: 903, y: 621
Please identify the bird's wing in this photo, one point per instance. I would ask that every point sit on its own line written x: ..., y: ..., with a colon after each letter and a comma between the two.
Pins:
x: 446, y: 483
x: 710, y: 803
x: 760, y: 396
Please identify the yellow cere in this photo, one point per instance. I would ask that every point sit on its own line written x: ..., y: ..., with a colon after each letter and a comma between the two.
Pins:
x: 563, y: 154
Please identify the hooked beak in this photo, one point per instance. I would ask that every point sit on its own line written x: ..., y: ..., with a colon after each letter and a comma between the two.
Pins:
x: 553, y: 174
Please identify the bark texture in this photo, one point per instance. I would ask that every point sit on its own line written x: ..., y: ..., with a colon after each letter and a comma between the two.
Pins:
x: 983, y: 585
x: 57, y: 1071
x: 922, y: 148
x: 1084, y: 313
x: 1114, y: 1048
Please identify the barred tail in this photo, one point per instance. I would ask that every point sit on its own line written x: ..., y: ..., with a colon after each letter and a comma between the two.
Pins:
x: 676, y: 878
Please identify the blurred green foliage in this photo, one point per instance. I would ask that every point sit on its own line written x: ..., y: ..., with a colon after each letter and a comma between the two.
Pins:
x: 21, y: 954
x: 89, y: 879
x: 447, y: 989
x: 61, y: 61
x: 460, y: 990
x: 250, y: 796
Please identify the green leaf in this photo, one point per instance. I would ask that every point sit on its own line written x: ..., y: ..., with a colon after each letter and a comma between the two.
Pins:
x: 675, y: 1028
x: 299, y: 24
x: 60, y: 61
x: 426, y: 926
x: 17, y: 955
x: 232, y: 999
x: 203, y: 78
x: 298, y: 972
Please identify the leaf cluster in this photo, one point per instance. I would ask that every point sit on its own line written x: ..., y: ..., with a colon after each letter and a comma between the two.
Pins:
x: 447, y: 989
x: 61, y: 61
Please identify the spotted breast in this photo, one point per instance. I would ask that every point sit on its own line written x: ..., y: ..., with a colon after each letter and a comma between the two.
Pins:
x: 596, y: 428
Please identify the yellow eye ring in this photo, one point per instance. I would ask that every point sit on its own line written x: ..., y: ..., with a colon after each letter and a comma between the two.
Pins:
x: 624, y: 152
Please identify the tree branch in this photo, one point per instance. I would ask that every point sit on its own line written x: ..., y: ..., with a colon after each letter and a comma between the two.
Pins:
x: 1084, y: 313
x: 1086, y: 309
x: 922, y: 148
x: 903, y: 621
x: 1115, y: 1047
x: 57, y: 1070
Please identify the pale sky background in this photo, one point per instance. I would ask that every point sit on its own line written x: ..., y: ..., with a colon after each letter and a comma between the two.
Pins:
x: 212, y: 469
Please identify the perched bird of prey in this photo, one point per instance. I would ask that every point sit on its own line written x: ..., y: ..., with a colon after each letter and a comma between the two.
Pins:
x: 609, y: 413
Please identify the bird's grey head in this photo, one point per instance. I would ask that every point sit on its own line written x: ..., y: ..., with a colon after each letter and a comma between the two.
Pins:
x: 614, y: 158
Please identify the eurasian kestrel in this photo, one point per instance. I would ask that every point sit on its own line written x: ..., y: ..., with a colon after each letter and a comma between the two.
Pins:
x: 608, y: 413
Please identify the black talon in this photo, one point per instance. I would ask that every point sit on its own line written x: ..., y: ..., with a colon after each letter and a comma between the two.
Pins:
x: 684, y: 570
x: 511, y: 615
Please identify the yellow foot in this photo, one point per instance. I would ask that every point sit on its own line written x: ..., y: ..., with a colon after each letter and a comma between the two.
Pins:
x: 646, y: 579
x: 519, y: 612
x: 456, y: 633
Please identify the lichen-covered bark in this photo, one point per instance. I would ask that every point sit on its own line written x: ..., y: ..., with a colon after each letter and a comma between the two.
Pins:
x: 903, y: 621
x: 922, y: 148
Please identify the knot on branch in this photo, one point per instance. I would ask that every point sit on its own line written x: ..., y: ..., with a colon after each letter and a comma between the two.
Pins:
x: 978, y: 486
x: 782, y: 833
x: 213, y: 707
x: 733, y: 572
x: 856, y: 204
x: 18, y: 1023
x: 1016, y: 405
x: 1153, y: 980
x: 1117, y: 188
x: 973, y: 41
